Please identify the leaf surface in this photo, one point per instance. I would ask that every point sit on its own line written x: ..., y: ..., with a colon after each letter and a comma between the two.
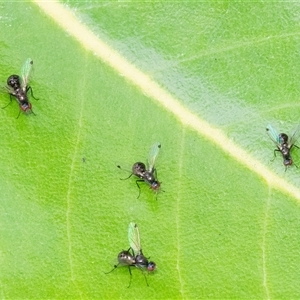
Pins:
x: 227, y: 223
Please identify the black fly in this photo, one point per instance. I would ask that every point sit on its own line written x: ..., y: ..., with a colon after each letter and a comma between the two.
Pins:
x: 284, y: 143
x: 18, y: 87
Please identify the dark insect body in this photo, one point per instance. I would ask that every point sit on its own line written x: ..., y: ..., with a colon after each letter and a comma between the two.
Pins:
x: 134, y: 257
x: 284, y: 143
x: 18, y: 87
x: 147, y: 174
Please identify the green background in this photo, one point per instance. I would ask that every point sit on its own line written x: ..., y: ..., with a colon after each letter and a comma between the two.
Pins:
x: 218, y: 230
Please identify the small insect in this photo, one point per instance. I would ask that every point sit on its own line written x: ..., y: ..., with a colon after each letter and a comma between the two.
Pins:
x: 18, y: 87
x: 284, y: 143
x: 133, y: 257
x: 149, y: 174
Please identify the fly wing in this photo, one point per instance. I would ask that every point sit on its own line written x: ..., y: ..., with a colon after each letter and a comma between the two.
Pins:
x: 153, y: 155
x: 134, y: 238
x: 274, y: 136
x: 25, y: 73
x: 294, y: 135
x: 7, y: 89
x: 124, y: 166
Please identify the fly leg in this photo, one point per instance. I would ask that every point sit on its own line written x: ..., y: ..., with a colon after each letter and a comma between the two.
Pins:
x: 126, y: 177
x: 30, y: 111
x: 276, y: 150
x: 155, y: 173
x: 19, y: 114
x: 31, y: 92
x: 130, y: 277
x: 297, y: 148
x: 8, y: 102
x: 115, y: 266
x: 139, y: 187
x: 145, y: 277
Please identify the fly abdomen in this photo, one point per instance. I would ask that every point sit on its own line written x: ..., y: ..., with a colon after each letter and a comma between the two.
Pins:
x: 138, y: 169
x: 14, y: 82
x: 125, y: 258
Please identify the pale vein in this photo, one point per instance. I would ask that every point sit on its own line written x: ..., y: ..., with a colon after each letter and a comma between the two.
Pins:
x: 265, y: 226
x: 70, y: 185
x: 178, y: 214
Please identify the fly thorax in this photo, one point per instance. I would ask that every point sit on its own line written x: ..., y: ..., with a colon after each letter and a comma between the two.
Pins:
x: 285, y: 151
x: 149, y: 177
x: 22, y: 97
x: 141, y: 260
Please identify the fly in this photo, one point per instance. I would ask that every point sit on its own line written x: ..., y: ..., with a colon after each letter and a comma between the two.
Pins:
x: 134, y: 257
x: 147, y: 174
x: 284, y: 143
x: 18, y: 87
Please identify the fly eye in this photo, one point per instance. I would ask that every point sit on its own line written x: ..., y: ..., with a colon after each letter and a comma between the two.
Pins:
x: 288, y: 162
x: 155, y: 185
x: 26, y: 107
x: 151, y: 266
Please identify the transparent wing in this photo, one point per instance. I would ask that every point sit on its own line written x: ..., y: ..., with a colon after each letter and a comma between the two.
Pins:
x: 294, y: 135
x: 124, y: 166
x: 25, y: 72
x: 273, y: 134
x: 134, y: 238
x: 153, y: 155
x: 6, y: 89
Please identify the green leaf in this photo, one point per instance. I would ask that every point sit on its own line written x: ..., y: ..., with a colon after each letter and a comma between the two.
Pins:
x: 203, y: 79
